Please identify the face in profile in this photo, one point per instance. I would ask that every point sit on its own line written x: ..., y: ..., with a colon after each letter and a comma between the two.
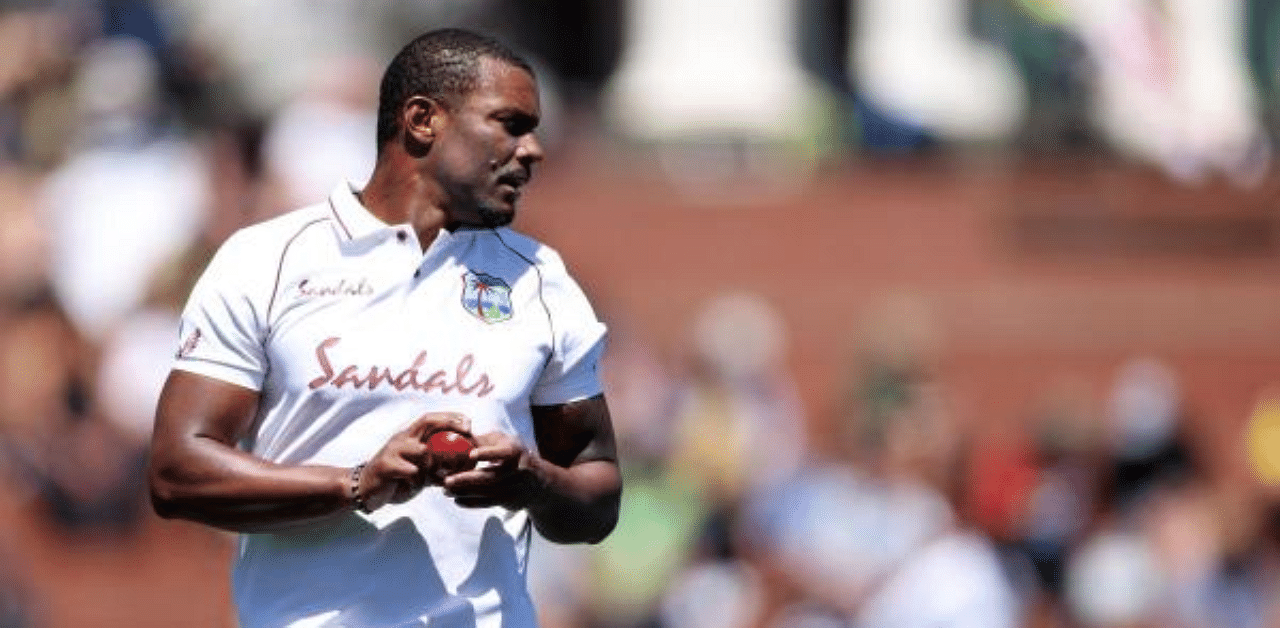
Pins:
x: 485, y: 148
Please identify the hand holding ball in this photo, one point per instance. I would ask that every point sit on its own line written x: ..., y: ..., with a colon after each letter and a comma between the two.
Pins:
x: 449, y: 452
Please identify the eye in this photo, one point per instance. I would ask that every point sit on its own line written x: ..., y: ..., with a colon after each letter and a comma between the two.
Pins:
x: 518, y: 125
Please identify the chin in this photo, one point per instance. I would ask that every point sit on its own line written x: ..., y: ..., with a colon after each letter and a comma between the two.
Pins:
x: 496, y: 217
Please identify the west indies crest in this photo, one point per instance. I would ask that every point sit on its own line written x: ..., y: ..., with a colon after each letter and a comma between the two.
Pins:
x: 486, y: 297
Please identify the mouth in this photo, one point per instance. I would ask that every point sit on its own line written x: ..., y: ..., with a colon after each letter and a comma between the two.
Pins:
x: 514, y: 180
x: 508, y: 192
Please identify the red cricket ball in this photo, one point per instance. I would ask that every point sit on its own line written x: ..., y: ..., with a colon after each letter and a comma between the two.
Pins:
x: 450, y: 451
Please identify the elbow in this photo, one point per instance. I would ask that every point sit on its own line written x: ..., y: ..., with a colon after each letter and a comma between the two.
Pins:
x: 586, y: 533
x: 605, y: 519
x: 601, y: 520
x: 166, y: 495
x: 163, y: 501
x: 602, y: 530
x: 163, y: 505
x: 588, y: 527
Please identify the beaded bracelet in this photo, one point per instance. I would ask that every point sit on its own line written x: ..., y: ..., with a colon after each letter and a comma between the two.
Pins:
x: 356, y: 498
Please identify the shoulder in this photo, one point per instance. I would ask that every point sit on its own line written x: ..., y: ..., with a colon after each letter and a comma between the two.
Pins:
x: 285, y: 227
x: 267, y: 238
x: 252, y: 256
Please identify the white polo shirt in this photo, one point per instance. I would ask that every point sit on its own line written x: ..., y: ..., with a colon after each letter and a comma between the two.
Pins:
x: 350, y: 332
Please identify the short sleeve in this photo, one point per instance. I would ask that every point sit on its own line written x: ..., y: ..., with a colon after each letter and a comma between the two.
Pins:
x: 572, y: 372
x: 221, y: 330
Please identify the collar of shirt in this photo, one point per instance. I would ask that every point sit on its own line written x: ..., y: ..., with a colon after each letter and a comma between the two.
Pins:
x: 356, y: 224
x: 357, y: 227
x: 353, y: 220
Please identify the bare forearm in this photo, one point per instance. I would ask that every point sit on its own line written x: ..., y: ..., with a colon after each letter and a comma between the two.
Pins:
x: 221, y: 486
x: 578, y: 504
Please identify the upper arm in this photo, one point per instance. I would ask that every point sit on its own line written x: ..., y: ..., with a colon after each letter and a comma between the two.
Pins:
x: 195, y: 406
x: 220, y: 365
x: 574, y: 432
x: 581, y: 430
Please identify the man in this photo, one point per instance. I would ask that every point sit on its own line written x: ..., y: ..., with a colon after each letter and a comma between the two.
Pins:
x: 321, y: 347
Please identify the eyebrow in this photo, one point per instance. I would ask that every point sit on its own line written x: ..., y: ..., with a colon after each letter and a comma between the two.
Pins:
x: 515, y: 111
x: 518, y: 114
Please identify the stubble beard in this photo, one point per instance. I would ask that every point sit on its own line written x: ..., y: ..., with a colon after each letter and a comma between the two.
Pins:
x: 491, y: 218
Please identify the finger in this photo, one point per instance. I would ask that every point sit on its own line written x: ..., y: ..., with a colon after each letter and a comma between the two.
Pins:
x: 403, y: 447
x: 412, y: 449
x: 490, y: 495
x: 500, y: 450
x: 477, y: 502
x: 397, y: 467
x: 422, y: 425
x: 495, y: 454
x: 496, y: 439
x: 490, y: 489
x: 433, y: 421
x: 475, y: 479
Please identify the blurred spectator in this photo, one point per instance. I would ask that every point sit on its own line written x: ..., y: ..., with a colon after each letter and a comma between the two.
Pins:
x: 135, y: 361
x: 1114, y: 581
x: 325, y: 134
x: 1069, y: 477
x: 38, y: 388
x: 717, y: 88
x: 91, y: 481
x: 38, y: 52
x: 84, y: 473
x: 657, y: 532
x: 717, y: 585
x: 867, y: 530
x: 620, y: 583
x: 1261, y: 36
x: 130, y: 197
x: 643, y: 396
x: 575, y: 46
x: 1262, y: 439
x: 1188, y: 538
x: 739, y: 422
x: 1053, y: 66
x: 955, y: 580
x: 1167, y: 564
x: 915, y: 61
x: 714, y: 594
x: 1147, y: 422
x: 24, y: 241
x: 1171, y: 85
x: 271, y: 56
x: 136, y: 355
x: 735, y: 423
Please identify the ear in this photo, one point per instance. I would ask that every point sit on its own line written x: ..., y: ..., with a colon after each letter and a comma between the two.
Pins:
x: 420, y: 118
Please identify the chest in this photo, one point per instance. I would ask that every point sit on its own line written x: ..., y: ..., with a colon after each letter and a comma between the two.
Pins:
x: 450, y: 329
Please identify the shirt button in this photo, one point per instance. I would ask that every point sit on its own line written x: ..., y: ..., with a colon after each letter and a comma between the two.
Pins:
x: 401, y: 236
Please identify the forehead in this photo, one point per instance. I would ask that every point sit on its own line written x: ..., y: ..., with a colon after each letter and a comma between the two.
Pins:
x: 501, y: 85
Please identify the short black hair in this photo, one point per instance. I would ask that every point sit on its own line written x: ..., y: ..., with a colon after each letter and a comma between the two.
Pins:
x: 442, y: 65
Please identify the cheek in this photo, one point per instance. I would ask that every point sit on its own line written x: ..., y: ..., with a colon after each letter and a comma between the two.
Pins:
x: 462, y: 165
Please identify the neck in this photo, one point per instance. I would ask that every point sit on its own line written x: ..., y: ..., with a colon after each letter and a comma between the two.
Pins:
x: 397, y: 194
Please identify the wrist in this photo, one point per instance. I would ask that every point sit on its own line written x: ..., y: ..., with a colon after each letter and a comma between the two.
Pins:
x: 354, y: 491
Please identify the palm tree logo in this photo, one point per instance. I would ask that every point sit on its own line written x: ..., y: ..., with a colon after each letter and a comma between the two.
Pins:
x: 486, y: 297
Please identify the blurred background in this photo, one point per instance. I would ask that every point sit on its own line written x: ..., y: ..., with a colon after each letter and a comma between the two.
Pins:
x: 925, y: 313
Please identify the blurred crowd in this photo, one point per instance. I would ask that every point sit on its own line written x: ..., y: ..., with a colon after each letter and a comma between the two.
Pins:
x: 135, y: 135
x: 1092, y: 511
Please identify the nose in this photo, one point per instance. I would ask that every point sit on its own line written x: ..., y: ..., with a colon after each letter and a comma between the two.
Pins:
x: 529, y: 150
